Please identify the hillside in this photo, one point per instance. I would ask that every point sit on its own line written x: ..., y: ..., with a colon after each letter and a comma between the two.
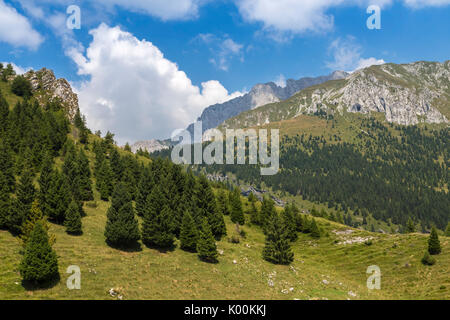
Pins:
x: 150, y: 274
x: 52, y: 164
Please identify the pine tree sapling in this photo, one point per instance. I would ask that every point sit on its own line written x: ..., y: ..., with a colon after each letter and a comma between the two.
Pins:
x: 410, y: 226
x: 39, y: 264
x: 206, y: 244
x: 434, y: 245
x: 314, y: 229
x: 427, y: 259
x: 73, y: 219
x: 188, y: 233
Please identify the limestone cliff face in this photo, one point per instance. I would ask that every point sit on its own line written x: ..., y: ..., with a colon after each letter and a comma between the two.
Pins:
x: 47, y: 88
x: 406, y: 94
x: 259, y: 95
x: 150, y: 145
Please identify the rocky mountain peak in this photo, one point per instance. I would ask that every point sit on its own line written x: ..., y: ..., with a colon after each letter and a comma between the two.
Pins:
x: 261, y: 94
x: 47, y: 87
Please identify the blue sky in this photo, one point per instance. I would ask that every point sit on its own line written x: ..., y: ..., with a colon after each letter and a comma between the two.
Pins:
x: 200, y: 52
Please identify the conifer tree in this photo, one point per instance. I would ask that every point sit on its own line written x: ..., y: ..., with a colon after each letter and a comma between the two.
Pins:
x: 5, y: 201
x: 72, y: 221
x: 188, y: 233
x: 314, y: 229
x: 39, y: 264
x: 25, y: 196
x: 410, y: 226
x: 157, y: 228
x: 33, y: 217
x: 207, y: 208
x: 104, y: 180
x: 222, y: 203
x: 447, y: 230
x: 289, y: 221
x: 267, y: 210
x: 277, y: 248
x: 434, y: 245
x: 254, y: 214
x: 58, y: 198
x: 4, y: 112
x: 206, y: 245
x: 122, y: 229
x: 237, y: 214
x: 85, y: 182
x: 7, y: 165
x: 427, y: 259
x: 144, y: 189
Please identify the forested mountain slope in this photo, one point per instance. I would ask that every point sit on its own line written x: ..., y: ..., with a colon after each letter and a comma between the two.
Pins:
x: 144, y: 228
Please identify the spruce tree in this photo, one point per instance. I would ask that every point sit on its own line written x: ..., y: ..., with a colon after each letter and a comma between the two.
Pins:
x: 207, y: 208
x: 237, y: 214
x: 104, y: 180
x: 85, y: 182
x: 5, y: 201
x: 122, y: 229
x: 46, y: 177
x: 7, y: 165
x: 267, y: 211
x: 206, y: 244
x: 427, y: 259
x: 58, y: 198
x: 157, y: 226
x: 314, y: 229
x: 72, y: 221
x: 39, y: 264
x: 434, y: 245
x: 25, y: 196
x: 289, y: 221
x: 35, y: 215
x: 410, y: 226
x: 188, y: 233
x: 144, y: 189
x: 222, y: 203
x: 254, y: 214
x: 277, y: 248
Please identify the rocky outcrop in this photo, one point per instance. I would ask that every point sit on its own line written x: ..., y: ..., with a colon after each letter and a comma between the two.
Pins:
x: 406, y: 94
x: 259, y: 95
x: 149, y: 145
x: 47, y: 88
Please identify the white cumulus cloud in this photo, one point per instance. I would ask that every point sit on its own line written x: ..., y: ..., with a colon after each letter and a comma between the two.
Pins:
x: 134, y: 91
x: 289, y: 17
x: 16, y: 30
x: 347, y: 56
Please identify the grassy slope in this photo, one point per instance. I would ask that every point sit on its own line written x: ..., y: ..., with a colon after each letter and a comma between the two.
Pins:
x: 149, y: 274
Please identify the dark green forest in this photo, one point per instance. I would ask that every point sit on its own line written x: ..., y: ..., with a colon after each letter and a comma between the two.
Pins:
x: 391, y: 172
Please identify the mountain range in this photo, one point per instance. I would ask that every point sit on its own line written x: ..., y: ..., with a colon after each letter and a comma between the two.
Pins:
x: 405, y: 94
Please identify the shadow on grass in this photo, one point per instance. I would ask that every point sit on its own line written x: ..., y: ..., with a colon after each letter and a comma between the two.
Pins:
x: 208, y: 260
x: 161, y: 249
x: 131, y: 247
x: 33, y: 286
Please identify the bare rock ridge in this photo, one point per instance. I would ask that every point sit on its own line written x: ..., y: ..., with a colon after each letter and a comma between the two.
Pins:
x: 47, y: 88
x: 149, y: 145
x: 406, y: 94
x: 259, y: 95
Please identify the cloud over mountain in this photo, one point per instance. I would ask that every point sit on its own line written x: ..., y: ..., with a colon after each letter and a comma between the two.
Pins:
x: 135, y: 91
